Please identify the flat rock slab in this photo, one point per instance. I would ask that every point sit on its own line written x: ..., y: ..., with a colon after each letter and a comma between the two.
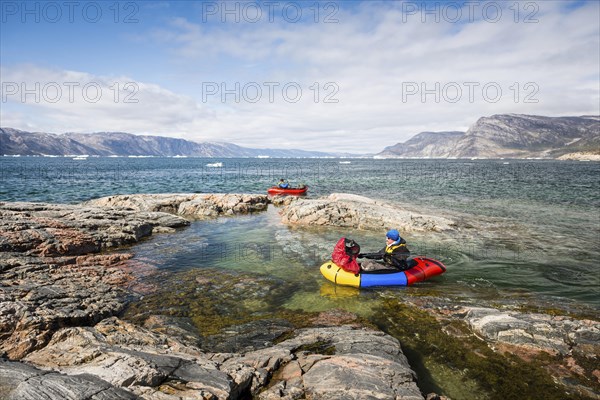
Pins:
x: 358, y: 212
x: 197, y: 206
x: 61, y: 229
x: 555, y: 335
x: 50, y: 274
x: 19, y: 381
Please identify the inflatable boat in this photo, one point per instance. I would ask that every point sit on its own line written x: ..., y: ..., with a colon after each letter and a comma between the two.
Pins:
x: 423, y: 268
x: 275, y: 190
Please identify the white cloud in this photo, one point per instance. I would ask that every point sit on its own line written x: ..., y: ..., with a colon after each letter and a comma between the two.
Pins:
x: 372, y: 59
x: 59, y: 101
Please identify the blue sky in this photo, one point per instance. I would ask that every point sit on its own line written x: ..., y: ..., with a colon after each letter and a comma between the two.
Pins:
x: 326, y: 75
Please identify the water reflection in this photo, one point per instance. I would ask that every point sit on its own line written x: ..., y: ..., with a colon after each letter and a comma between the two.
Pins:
x: 336, y: 292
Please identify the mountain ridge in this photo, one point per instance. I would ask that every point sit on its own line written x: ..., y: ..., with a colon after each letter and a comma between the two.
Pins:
x: 506, y: 136
x: 18, y: 142
x: 496, y: 136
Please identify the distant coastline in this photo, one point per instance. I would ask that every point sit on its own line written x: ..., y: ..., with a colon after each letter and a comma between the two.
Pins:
x: 510, y: 136
x: 579, y: 156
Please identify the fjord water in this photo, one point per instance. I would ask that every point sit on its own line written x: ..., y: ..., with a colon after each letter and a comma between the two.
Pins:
x: 536, y: 235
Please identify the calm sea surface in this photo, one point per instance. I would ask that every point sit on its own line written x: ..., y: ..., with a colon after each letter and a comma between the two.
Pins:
x: 538, y: 221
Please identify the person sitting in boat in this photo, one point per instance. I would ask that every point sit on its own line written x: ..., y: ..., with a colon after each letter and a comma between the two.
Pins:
x: 283, y: 184
x: 394, y: 255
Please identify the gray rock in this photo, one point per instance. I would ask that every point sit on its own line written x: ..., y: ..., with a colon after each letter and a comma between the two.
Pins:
x: 197, y: 206
x: 359, y: 377
x: 209, y: 379
x: 49, y: 276
x: 358, y: 212
x: 355, y: 364
x: 19, y: 381
x: 131, y: 357
x: 556, y: 335
x: 51, y: 230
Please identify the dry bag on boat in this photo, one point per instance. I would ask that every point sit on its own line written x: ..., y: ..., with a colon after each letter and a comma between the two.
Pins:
x: 344, y: 255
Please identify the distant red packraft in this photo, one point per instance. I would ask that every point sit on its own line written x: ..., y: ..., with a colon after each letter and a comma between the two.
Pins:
x: 344, y: 255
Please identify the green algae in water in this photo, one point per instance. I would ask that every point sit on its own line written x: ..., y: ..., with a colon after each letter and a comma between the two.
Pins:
x: 217, y: 300
x: 212, y: 299
x: 466, y: 361
x: 330, y: 296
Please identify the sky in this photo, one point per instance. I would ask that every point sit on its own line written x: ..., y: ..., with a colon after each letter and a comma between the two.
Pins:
x: 344, y: 76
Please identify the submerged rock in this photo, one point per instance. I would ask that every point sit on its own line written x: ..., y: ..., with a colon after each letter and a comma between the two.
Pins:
x: 252, y: 335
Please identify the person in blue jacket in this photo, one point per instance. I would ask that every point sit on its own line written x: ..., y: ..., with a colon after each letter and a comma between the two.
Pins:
x: 393, y: 255
x: 283, y: 184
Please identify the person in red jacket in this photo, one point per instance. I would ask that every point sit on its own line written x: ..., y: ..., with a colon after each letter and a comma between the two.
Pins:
x: 393, y: 255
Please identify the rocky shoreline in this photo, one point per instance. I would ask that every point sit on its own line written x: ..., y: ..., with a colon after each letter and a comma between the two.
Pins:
x: 581, y: 156
x: 62, y: 296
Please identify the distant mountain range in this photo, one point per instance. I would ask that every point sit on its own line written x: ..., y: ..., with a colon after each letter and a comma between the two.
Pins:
x: 14, y: 141
x: 498, y: 136
x: 506, y: 135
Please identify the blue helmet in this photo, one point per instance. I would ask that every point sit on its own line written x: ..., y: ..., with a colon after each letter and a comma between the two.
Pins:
x: 393, y: 234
